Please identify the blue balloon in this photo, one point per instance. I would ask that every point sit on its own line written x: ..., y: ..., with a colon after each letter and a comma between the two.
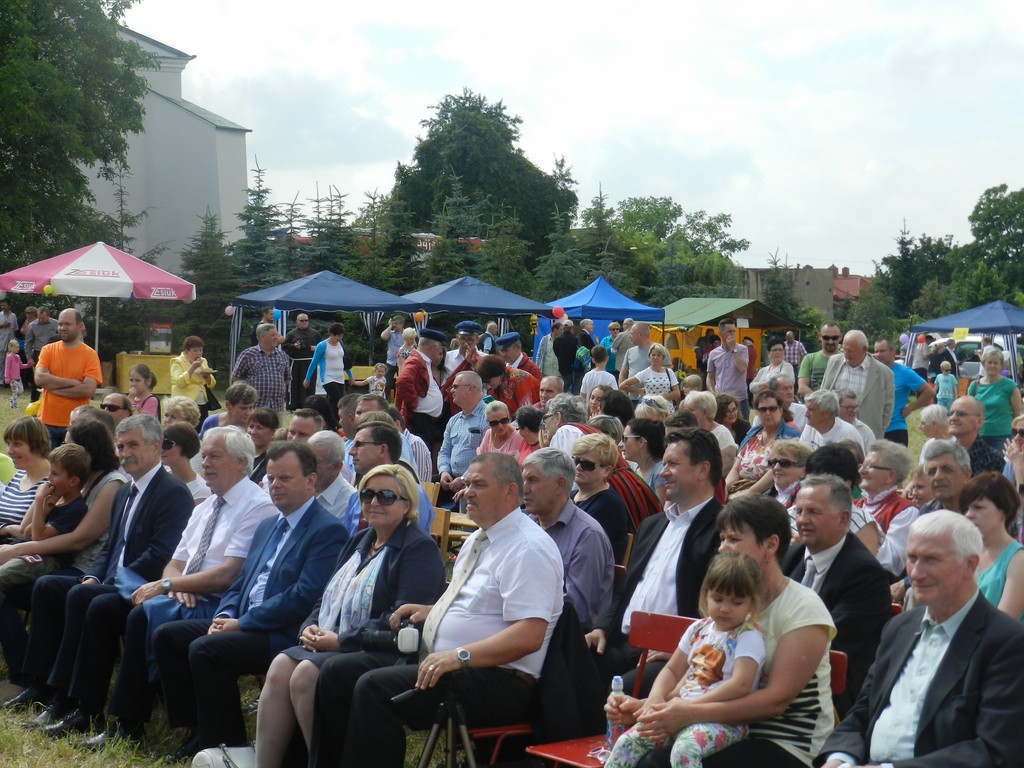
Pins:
x: 277, y: 314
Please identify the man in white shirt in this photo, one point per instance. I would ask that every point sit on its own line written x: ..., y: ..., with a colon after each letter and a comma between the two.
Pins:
x: 492, y: 626
x: 671, y: 552
x: 946, y: 679
x: 823, y: 423
x: 333, y: 491
x: 849, y: 407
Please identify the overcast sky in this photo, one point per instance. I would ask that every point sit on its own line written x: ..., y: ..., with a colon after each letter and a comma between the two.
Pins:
x: 819, y: 127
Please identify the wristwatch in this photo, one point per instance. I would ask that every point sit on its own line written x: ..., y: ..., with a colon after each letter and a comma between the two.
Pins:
x: 462, y: 655
x: 166, y: 585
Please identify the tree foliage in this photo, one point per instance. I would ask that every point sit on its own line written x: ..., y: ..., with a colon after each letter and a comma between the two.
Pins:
x: 262, y: 251
x: 473, y: 140
x: 69, y: 97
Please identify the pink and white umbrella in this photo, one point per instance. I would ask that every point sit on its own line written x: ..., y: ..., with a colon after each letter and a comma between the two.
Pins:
x: 99, y: 271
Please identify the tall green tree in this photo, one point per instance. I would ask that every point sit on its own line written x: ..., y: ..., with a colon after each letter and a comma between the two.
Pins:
x: 209, y: 263
x: 382, y: 251
x: 658, y: 216
x: 262, y: 251
x: 779, y: 289
x: 997, y: 223
x: 503, y: 257
x: 559, y: 272
x: 474, y: 140
x: 69, y: 98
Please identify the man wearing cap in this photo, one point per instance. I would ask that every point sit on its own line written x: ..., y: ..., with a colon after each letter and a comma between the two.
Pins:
x: 418, y: 394
x: 468, y: 335
x: 510, y: 347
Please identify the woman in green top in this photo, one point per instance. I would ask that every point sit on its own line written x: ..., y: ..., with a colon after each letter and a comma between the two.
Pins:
x: 991, y: 503
x: 1000, y: 397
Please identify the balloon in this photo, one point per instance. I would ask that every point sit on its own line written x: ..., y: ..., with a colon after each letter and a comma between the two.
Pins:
x: 48, y: 289
x: 419, y: 316
x: 557, y: 312
x: 904, y: 338
x: 229, y: 311
x: 277, y: 314
x: 920, y: 338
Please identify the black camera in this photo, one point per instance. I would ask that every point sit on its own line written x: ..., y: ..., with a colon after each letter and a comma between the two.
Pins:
x: 405, y: 640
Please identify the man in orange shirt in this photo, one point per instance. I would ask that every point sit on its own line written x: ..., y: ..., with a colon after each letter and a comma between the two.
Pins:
x: 68, y: 372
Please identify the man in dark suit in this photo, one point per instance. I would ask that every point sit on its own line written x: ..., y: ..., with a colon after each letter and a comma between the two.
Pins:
x: 847, y: 577
x: 946, y: 683
x: 289, y: 563
x: 149, y: 515
x: 671, y: 552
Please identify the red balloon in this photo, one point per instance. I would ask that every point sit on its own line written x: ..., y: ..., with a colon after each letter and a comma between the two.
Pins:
x: 557, y: 312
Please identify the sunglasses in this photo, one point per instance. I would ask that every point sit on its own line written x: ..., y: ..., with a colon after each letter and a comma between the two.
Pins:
x: 112, y: 408
x: 385, y: 498
x: 357, y: 444
x: 1017, y: 432
x: 167, y: 444
x: 783, y: 463
x: 586, y: 466
x: 768, y: 409
x: 499, y: 422
x: 830, y: 338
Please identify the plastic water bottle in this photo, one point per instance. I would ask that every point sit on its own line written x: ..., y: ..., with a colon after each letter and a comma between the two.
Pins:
x: 614, y: 730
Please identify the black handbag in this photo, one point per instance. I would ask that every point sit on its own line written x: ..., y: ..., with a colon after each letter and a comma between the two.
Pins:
x: 212, y: 401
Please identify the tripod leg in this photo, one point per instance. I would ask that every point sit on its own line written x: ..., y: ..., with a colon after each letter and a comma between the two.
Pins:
x: 434, y: 735
x: 459, y: 715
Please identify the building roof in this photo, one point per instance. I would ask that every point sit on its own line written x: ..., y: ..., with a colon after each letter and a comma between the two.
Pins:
x: 155, y: 46
x: 203, y: 114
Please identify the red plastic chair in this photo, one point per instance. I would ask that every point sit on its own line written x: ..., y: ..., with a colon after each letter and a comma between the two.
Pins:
x: 648, y: 632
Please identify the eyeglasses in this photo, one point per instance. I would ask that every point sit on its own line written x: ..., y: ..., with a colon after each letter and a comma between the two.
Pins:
x: 499, y: 422
x: 585, y: 465
x: 631, y: 437
x: 767, y: 409
x: 783, y: 463
x: 1017, y: 432
x: 849, y: 408
x: 385, y: 498
x: 869, y: 467
x: 961, y: 414
x: 167, y: 444
x: 830, y: 338
x: 357, y: 444
x: 112, y: 408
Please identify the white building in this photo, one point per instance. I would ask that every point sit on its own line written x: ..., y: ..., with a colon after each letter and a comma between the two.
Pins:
x: 188, y: 160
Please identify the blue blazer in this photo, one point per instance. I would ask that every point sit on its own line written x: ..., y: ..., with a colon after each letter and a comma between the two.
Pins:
x: 412, y: 573
x: 296, y: 581
x: 160, y: 517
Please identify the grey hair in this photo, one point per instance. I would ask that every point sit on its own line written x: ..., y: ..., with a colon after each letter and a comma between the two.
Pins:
x: 151, y: 430
x: 504, y: 469
x: 334, y: 443
x: 857, y: 336
x: 826, y: 400
x: 894, y: 456
x: 494, y: 406
x: 839, y: 496
x: 610, y: 425
x: 773, y: 381
x: 237, y: 443
x: 472, y: 377
x: 705, y: 402
x: 850, y: 394
x: 934, y: 414
x: 937, y: 449
x: 964, y: 534
x: 570, y: 408
x: 263, y: 329
x: 553, y: 464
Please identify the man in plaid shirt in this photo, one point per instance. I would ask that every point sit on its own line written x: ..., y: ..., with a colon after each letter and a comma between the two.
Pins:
x: 795, y: 351
x: 266, y: 368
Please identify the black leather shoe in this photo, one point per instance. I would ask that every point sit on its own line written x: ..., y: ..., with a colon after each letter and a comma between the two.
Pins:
x: 76, y: 721
x: 26, y: 698
x: 52, y: 714
x: 113, y: 733
x: 186, y: 751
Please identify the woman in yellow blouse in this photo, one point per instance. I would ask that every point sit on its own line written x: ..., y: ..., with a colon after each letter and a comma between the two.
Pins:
x: 191, y: 374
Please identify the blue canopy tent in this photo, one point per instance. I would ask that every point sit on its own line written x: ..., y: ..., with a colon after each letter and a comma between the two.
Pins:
x: 997, y: 318
x: 601, y: 302
x: 320, y: 292
x: 467, y: 295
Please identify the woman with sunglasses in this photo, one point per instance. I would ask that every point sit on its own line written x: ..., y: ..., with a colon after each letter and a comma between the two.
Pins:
x: 392, y: 562
x: 787, y: 464
x: 643, y: 444
x: 749, y: 474
x: 501, y: 436
x: 595, y: 456
x: 179, y: 448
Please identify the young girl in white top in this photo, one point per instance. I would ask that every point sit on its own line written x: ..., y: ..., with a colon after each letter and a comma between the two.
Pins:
x: 597, y: 375
x: 719, y: 659
x: 375, y: 384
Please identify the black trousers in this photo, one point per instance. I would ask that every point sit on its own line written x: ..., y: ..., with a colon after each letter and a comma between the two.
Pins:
x: 297, y: 393
x: 13, y: 635
x: 199, y: 674
x: 97, y: 652
x: 359, y: 726
x: 132, y: 698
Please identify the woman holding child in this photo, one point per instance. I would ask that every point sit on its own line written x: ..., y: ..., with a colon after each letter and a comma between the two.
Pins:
x: 789, y: 717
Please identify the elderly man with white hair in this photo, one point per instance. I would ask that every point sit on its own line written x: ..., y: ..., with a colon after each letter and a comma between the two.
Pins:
x: 704, y: 406
x: 946, y: 677
x: 333, y: 491
x: 872, y: 381
x: 823, y: 423
x: 849, y: 407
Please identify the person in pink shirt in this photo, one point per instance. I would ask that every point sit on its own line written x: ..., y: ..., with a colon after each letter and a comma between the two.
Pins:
x: 141, y: 381
x: 501, y: 436
x: 12, y: 371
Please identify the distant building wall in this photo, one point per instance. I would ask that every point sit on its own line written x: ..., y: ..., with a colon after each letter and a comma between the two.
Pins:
x: 814, y: 287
